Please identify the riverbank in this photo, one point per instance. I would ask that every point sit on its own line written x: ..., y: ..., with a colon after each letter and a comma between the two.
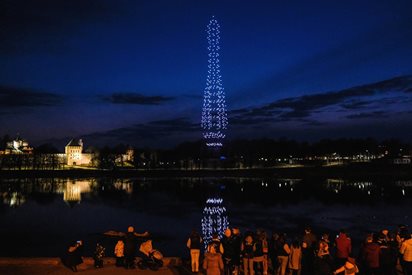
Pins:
x: 348, y: 170
x: 52, y: 266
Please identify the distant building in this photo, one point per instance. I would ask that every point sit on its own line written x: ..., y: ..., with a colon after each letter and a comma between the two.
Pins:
x: 127, y: 157
x: 75, y: 155
x: 18, y: 146
x: 402, y: 160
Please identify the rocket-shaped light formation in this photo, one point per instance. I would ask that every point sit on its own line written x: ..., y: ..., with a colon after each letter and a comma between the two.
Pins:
x: 214, y: 115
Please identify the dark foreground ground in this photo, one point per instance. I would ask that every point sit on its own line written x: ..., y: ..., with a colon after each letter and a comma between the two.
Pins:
x: 53, y: 266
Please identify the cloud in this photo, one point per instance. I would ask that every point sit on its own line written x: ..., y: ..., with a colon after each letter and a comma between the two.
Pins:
x: 244, y: 120
x: 376, y: 114
x: 12, y: 97
x: 150, y: 131
x: 355, y: 104
x: 137, y: 99
x: 303, y: 107
x: 370, y: 47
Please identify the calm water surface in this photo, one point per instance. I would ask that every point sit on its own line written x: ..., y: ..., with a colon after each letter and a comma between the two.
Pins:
x: 40, y: 217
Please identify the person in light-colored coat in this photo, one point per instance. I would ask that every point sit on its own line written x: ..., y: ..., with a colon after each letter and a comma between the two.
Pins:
x: 119, y: 253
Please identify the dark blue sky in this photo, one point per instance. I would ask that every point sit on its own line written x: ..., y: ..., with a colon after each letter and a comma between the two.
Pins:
x: 134, y: 71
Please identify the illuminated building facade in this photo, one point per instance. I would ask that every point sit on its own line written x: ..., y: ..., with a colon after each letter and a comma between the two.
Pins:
x: 18, y: 146
x: 75, y: 155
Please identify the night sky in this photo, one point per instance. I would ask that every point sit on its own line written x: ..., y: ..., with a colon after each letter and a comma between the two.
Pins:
x: 134, y: 71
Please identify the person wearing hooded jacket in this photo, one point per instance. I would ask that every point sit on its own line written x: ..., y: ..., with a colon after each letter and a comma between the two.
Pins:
x: 119, y: 253
x: 248, y: 249
x: 213, y: 263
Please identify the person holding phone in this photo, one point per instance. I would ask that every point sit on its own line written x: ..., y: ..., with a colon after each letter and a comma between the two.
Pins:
x: 74, y: 255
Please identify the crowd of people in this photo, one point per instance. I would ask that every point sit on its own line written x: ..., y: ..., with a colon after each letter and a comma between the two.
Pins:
x: 381, y: 253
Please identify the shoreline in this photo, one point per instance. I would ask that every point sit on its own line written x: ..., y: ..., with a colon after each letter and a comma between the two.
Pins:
x: 355, y: 170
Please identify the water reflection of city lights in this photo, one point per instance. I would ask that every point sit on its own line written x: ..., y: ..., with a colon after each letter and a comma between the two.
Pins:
x: 126, y: 186
x: 14, y: 199
x: 336, y: 185
x: 403, y: 192
x: 74, y: 189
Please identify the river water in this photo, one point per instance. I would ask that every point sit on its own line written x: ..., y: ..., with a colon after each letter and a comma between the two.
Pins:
x: 41, y: 216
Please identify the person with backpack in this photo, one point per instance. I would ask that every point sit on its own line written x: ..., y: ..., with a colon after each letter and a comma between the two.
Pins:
x: 248, y: 249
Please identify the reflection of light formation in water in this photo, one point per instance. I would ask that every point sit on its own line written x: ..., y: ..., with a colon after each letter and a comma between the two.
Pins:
x: 214, y: 219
